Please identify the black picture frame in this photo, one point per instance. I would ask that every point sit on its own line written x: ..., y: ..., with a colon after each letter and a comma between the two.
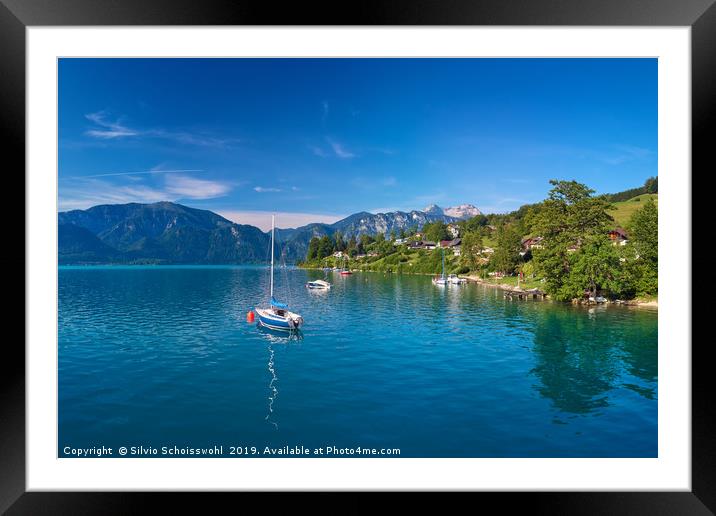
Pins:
x: 16, y: 15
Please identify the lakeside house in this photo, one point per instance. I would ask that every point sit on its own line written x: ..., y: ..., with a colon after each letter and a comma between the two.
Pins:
x: 532, y: 243
x: 400, y: 241
x: 453, y: 244
x: 422, y: 244
x: 529, y: 243
x: 339, y: 254
x: 618, y: 236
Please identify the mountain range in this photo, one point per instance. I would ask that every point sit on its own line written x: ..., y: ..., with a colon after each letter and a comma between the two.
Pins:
x: 166, y: 232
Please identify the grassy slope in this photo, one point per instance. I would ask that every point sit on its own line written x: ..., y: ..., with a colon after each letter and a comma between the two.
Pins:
x: 418, y: 261
x: 625, y: 209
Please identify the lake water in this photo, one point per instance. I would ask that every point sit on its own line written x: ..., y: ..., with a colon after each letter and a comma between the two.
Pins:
x: 163, y: 356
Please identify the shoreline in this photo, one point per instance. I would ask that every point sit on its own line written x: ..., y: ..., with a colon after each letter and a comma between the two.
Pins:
x: 504, y: 286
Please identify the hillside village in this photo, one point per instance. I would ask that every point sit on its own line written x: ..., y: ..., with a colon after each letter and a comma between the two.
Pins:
x: 573, y: 245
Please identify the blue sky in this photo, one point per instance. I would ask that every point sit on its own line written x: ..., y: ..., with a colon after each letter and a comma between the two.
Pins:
x: 319, y: 139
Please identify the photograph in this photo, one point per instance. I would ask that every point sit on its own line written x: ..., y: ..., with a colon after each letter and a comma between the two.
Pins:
x: 357, y: 257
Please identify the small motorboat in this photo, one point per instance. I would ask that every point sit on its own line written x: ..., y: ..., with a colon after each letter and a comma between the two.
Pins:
x: 453, y: 279
x: 318, y: 285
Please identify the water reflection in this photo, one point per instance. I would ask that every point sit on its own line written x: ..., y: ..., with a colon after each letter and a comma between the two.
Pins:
x: 275, y: 337
x: 273, y: 391
x: 150, y: 353
x: 580, y: 358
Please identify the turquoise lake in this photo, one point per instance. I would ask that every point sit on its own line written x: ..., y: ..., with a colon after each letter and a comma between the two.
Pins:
x: 162, y: 356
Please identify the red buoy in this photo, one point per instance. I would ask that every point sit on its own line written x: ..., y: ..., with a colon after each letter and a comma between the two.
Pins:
x: 250, y: 316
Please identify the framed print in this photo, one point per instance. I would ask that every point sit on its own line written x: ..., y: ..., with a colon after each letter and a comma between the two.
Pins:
x: 414, y: 250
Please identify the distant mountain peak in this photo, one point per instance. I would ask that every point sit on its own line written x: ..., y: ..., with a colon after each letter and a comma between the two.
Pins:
x: 433, y: 208
x: 463, y: 211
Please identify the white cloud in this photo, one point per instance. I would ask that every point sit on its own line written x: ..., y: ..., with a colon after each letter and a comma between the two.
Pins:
x: 340, y: 150
x: 191, y: 139
x: 262, y: 219
x: 264, y: 189
x: 191, y: 188
x: 108, y: 130
x: 140, y: 172
x: 88, y: 192
x: 336, y: 149
x: 96, y: 191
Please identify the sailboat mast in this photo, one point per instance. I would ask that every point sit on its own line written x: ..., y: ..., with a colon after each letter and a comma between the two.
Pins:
x: 273, y: 218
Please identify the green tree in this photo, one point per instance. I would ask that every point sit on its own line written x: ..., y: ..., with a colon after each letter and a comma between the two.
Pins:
x: 340, y: 244
x: 594, y: 267
x: 312, y: 253
x: 507, y: 252
x: 652, y: 185
x: 436, y: 231
x: 352, y: 247
x: 474, y: 224
x: 366, y: 240
x: 325, y: 247
x: 470, y: 249
x: 566, y: 219
x: 644, y: 231
x: 644, y: 240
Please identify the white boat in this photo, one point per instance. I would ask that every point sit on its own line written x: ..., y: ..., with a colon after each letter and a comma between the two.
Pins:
x: 453, y: 279
x: 277, y: 316
x: 318, y: 284
x: 441, y: 280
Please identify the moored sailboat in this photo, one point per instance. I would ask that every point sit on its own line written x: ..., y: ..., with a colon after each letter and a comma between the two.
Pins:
x: 277, y: 316
x: 441, y: 280
x: 345, y: 271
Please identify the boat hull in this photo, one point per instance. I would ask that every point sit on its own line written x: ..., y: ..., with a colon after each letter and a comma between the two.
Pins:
x: 274, y: 321
x: 318, y: 285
